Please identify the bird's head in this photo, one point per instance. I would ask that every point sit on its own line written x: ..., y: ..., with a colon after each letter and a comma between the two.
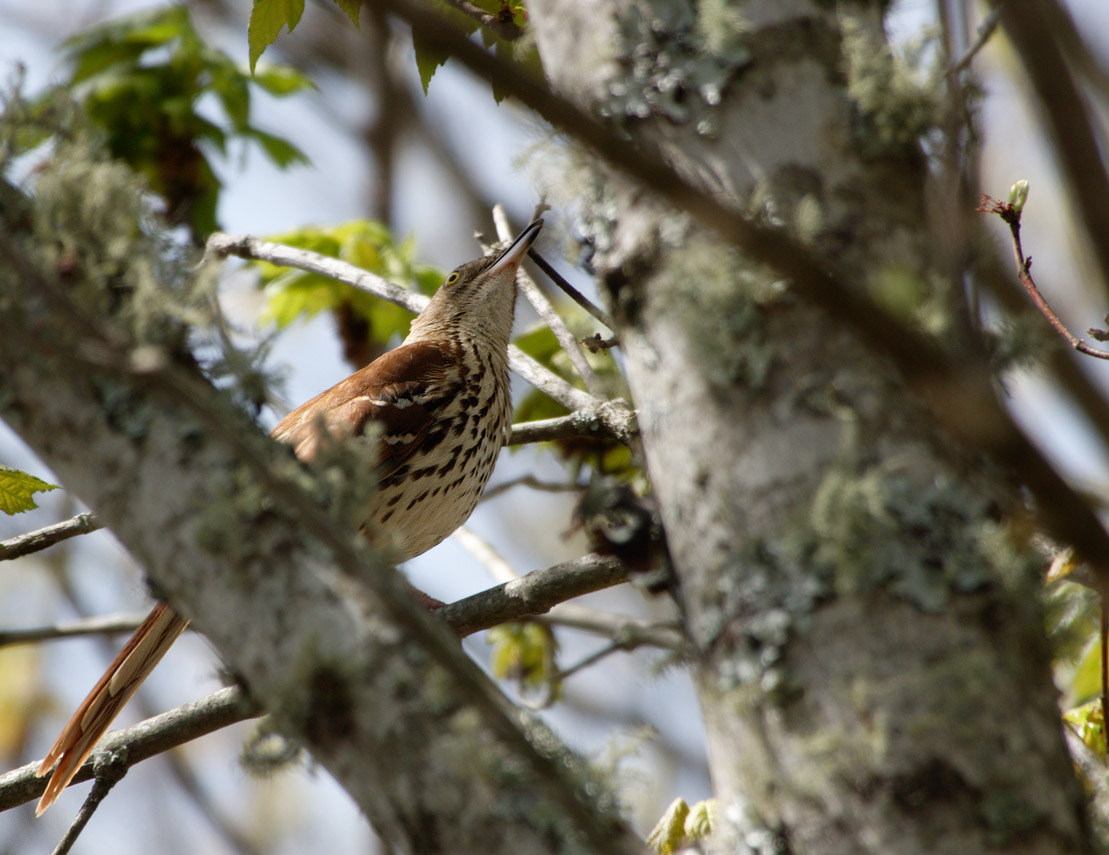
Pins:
x: 478, y: 297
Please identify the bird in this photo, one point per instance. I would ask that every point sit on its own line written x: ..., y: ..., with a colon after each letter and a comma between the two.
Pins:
x: 442, y: 402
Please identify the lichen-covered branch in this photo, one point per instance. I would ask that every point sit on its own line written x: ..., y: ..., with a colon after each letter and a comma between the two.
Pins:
x: 233, y: 532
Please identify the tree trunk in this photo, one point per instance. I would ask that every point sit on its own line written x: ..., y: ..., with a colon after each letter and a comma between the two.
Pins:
x: 870, y: 662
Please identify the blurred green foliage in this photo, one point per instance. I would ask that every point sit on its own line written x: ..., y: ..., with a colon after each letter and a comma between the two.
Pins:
x: 144, y: 80
x: 269, y: 17
x: 298, y: 294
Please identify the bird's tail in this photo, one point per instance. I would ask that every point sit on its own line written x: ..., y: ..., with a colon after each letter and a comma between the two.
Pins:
x: 91, y: 720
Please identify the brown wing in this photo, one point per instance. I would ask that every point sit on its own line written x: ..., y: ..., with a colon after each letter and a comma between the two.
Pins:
x: 401, y: 390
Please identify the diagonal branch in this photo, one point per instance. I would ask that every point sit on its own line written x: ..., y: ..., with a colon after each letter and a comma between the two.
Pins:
x: 1011, y: 215
x: 221, y: 245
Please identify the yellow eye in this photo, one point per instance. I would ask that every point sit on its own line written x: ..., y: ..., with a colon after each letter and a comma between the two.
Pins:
x: 454, y: 277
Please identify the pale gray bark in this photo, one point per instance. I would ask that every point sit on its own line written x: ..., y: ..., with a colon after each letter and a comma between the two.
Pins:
x: 870, y: 664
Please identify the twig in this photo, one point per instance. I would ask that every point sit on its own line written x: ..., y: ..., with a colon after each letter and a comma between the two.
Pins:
x: 108, y: 769
x: 550, y: 317
x: 595, y: 343
x: 243, y: 246
x: 577, y: 296
x: 534, y: 483
x: 626, y: 639
x: 1011, y: 215
x: 612, y: 418
x: 486, y: 555
x: 504, y: 27
x: 146, y: 739
x: 533, y: 593
x: 612, y: 625
x: 107, y: 625
x: 985, y: 30
x: 35, y: 541
x: 1034, y: 29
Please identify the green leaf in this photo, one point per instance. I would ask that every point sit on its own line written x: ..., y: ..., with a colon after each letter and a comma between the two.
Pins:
x: 352, y: 8
x: 267, y: 17
x: 281, y: 80
x: 233, y: 92
x: 279, y: 150
x: 1086, y: 681
x: 17, y: 489
x: 294, y: 294
x: 141, y: 77
x: 523, y: 652
x: 428, y: 60
x: 1088, y: 722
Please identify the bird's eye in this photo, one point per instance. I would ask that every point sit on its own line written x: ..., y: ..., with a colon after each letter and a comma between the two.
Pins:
x: 454, y: 277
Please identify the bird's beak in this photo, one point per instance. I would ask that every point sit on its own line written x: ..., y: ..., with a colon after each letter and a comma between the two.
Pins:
x: 511, y: 256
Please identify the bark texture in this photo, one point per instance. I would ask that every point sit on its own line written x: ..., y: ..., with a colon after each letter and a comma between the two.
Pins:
x: 870, y: 662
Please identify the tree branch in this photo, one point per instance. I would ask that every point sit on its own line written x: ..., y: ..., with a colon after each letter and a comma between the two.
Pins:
x: 1011, y: 215
x: 142, y: 741
x: 528, y: 595
x: 612, y: 418
x: 221, y: 245
x: 533, y: 593
x: 107, y: 625
x: 334, y: 631
x: 577, y: 296
x: 25, y: 544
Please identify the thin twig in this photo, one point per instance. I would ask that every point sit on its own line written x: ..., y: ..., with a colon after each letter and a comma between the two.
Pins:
x: 1011, y: 215
x: 984, y: 32
x: 34, y: 541
x: 243, y: 246
x: 486, y: 554
x: 1035, y: 31
x: 534, y: 483
x: 109, y: 770
x: 625, y: 640
x: 577, y: 296
x: 550, y: 317
x: 106, y: 625
x: 612, y: 625
x: 504, y: 27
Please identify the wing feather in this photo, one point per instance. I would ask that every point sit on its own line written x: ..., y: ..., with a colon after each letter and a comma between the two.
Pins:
x: 401, y: 390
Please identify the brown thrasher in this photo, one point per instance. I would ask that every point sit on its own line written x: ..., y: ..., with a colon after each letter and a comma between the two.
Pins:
x: 442, y: 401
